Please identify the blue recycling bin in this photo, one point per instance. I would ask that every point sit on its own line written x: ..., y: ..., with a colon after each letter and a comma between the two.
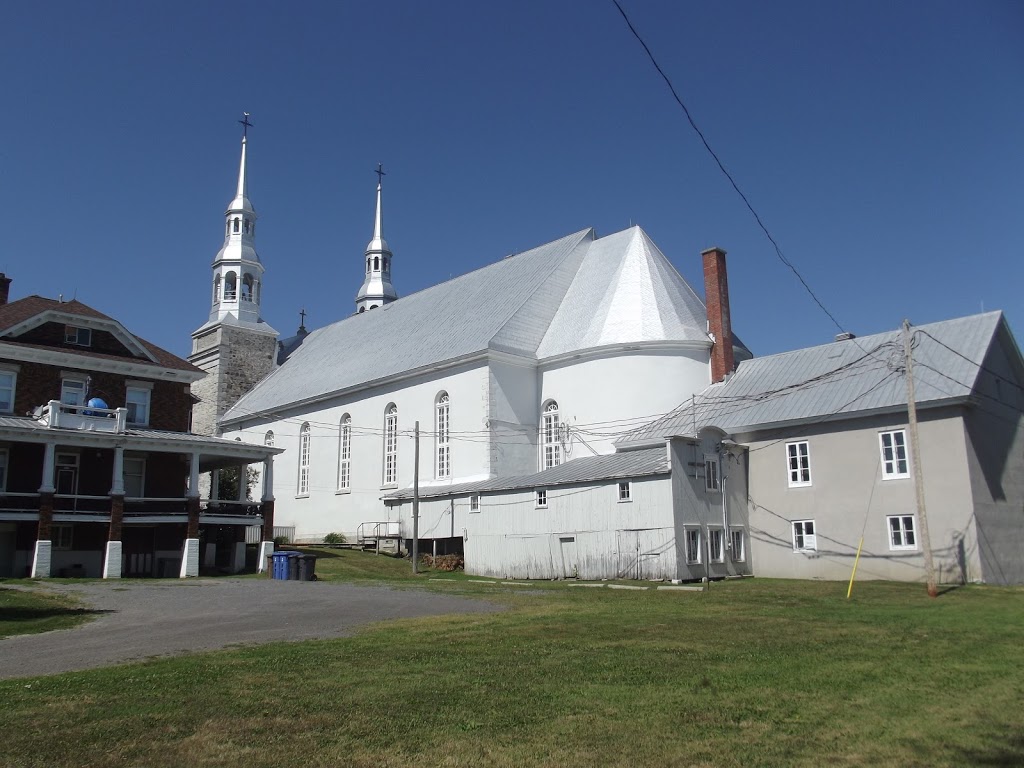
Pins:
x: 280, y: 565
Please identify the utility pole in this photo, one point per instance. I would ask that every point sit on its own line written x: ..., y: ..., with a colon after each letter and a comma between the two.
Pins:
x: 915, y: 460
x: 416, y: 502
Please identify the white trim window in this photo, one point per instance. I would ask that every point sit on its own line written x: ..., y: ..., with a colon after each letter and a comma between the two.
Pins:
x: 136, y: 400
x: 391, y: 445
x: 542, y: 498
x: 902, y: 534
x: 798, y: 456
x: 692, y: 540
x: 345, y: 453
x: 81, y: 337
x: 738, y: 542
x: 134, y: 469
x: 804, y: 537
x: 716, y: 544
x: 894, y: 454
x: 550, y: 436
x: 302, y: 488
x: 711, y: 474
x: 443, y: 461
x: 474, y: 503
x: 72, y: 391
x: 625, y: 491
x: 8, y: 384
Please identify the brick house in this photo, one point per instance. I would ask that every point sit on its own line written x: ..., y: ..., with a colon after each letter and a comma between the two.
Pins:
x: 98, y: 468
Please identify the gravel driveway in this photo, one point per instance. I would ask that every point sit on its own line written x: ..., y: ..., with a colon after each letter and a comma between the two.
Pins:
x: 166, y: 618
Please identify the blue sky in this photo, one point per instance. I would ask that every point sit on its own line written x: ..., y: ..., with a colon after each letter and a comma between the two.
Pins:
x: 880, y: 141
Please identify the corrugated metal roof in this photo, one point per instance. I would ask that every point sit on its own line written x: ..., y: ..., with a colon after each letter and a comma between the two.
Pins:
x: 860, y: 374
x: 613, y: 466
x: 572, y: 294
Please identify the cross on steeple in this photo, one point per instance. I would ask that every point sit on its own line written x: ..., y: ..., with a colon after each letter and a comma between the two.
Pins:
x: 302, y: 320
x: 380, y: 173
x: 246, y: 125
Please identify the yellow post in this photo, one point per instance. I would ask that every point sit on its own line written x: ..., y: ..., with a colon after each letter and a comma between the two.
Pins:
x: 849, y: 590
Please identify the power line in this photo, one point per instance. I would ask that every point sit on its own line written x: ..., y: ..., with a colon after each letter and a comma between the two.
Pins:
x: 722, y: 168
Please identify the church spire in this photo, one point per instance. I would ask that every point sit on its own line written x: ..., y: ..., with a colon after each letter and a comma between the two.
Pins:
x: 237, y: 271
x: 377, y: 288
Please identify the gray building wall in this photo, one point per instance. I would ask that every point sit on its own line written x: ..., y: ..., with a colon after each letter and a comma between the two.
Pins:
x: 995, y: 440
x: 848, y: 497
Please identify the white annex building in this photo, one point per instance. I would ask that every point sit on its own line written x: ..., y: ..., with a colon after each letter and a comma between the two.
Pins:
x: 538, y: 359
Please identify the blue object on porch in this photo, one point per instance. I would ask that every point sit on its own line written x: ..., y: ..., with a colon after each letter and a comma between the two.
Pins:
x: 95, y: 402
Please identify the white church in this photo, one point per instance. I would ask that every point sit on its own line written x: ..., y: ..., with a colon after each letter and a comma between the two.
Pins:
x: 534, y: 364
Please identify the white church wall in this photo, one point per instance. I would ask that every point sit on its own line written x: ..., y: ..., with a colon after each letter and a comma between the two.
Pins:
x: 624, y: 387
x: 513, y: 421
x: 328, y: 509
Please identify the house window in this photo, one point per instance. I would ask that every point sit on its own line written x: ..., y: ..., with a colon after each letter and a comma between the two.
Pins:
x: 542, y: 499
x: 134, y: 477
x: 391, y: 445
x: 692, y: 545
x: 81, y: 337
x: 625, y: 491
x: 303, y: 485
x: 3, y: 471
x: 716, y: 545
x: 72, y: 391
x: 137, y: 403
x: 345, y: 453
x: 901, y: 532
x: 474, y: 503
x: 268, y: 439
x: 443, y: 466
x: 799, y: 458
x: 550, y: 436
x: 8, y: 381
x: 738, y: 543
x: 894, y: 454
x: 60, y: 536
x: 804, y: 538
x: 711, y: 476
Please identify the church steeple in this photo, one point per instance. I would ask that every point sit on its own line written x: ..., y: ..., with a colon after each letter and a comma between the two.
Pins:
x: 377, y: 288
x: 237, y: 271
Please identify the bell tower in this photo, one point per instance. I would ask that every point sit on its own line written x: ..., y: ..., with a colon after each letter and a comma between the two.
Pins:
x: 235, y: 346
x: 377, y: 289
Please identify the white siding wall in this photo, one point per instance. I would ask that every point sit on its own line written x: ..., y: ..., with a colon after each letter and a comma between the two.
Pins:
x: 619, y: 386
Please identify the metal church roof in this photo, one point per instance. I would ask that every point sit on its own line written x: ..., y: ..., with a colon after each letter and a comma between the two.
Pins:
x: 833, y: 380
x: 589, y: 469
x: 572, y: 294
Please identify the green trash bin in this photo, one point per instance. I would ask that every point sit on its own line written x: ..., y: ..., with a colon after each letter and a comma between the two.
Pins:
x: 307, y: 567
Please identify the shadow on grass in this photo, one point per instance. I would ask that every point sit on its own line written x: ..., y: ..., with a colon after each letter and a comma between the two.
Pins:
x: 35, y: 614
x: 1010, y: 753
x: 947, y: 589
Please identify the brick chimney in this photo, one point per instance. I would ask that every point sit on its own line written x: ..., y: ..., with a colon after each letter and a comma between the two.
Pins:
x: 716, y: 292
x: 5, y: 288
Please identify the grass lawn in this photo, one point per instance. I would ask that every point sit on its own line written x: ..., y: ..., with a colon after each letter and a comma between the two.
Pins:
x: 24, y: 612
x: 754, y: 672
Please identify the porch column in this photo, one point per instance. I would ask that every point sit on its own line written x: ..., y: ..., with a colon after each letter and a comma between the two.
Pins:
x: 243, y: 476
x: 190, y: 550
x: 42, y: 557
x: 215, y: 485
x: 267, y: 510
x: 112, y: 557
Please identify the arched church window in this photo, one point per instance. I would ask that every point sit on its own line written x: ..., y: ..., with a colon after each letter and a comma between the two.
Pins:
x: 443, y: 462
x: 345, y: 453
x: 247, y: 226
x: 257, y: 289
x: 385, y: 263
x: 376, y: 263
x: 362, y: 309
x: 216, y: 289
x: 268, y: 439
x: 391, y: 444
x: 367, y: 263
x: 235, y: 227
x: 246, y: 287
x: 303, y: 484
x: 551, y: 446
x: 230, y: 286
